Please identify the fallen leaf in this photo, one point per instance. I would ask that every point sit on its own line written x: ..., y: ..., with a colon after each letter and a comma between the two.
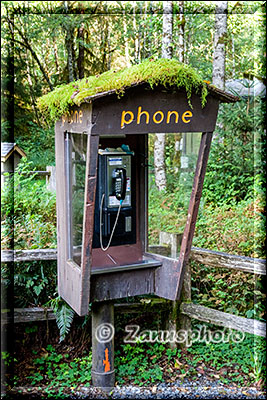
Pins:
x: 177, y: 364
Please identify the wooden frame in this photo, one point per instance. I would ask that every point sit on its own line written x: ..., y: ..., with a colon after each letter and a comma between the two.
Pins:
x: 140, y: 111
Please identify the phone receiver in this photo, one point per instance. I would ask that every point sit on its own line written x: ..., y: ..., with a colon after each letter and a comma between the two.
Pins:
x: 120, y: 180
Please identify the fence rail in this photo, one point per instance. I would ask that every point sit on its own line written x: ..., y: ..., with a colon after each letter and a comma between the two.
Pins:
x: 207, y: 257
x: 226, y: 320
x: 38, y: 173
x: 188, y: 309
x: 49, y: 174
x: 196, y: 311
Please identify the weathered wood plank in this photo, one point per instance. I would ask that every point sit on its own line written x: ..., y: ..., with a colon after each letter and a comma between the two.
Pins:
x: 38, y: 173
x: 36, y: 314
x: 224, y: 260
x: 29, y: 255
x: 32, y: 314
x: 226, y: 320
x: 162, y: 250
x: 136, y: 100
x: 123, y: 284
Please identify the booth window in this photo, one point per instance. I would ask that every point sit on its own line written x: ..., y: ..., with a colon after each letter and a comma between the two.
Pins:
x: 75, y: 167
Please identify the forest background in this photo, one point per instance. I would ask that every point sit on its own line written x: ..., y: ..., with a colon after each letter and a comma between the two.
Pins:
x: 51, y: 43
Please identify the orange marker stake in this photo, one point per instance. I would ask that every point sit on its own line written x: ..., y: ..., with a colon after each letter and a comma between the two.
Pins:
x: 106, y: 361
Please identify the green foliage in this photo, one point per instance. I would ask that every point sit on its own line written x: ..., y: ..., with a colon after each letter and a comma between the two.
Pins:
x: 34, y: 282
x: 138, y: 363
x: 28, y: 210
x: 236, y: 293
x: 7, y: 358
x: 147, y: 363
x: 168, y: 209
x: 39, y: 145
x: 160, y: 72
x: 247, y: 356
x: 58, y: 373
x: 242, y: 363
x: 236, y: 158
x: 236, y: 229
x: 64, y: 316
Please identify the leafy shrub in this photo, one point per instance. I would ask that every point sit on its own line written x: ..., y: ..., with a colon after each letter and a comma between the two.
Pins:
x: 34, y: 283
x: 28, y: 211
x: 168, y: 209
x: 244, y: 361
x: 43, y: 139
x: 64, y: 316
x: 235, y: 292
x: 236, y: 229
x: 237, y: 153
x: 58, y: 373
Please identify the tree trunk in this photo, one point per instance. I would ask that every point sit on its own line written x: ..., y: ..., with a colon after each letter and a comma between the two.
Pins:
x: 220, y: 32
x: 150, y: 31
x: 144, y: 47
x: 181, y: 32
x: 126, y: 42
x: 80, y: 61
x: 159, y: 146
x: 56, y: 56
x: 136, y: 34
x: 167, y: 29
x: 69, y: 43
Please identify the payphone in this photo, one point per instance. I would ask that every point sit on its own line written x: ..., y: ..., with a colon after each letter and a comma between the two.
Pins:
x: 115, y: 203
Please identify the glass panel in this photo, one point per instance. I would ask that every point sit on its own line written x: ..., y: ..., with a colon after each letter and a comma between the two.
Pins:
x: 75, y: 167
x: 167, y: 210
x: 78, y: 156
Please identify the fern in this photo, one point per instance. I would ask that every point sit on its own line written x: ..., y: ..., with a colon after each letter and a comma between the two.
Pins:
x: 64, y: 316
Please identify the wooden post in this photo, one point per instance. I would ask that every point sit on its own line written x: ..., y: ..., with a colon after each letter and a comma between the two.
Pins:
x: 178, y: 321
x: 51, y: 179
x: 103, y: 373
x: 183, y: 320
x: 173, y: 240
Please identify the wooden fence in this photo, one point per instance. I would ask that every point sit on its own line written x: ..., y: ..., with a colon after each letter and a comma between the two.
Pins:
x: 188, y: 309
x: 49, y: 174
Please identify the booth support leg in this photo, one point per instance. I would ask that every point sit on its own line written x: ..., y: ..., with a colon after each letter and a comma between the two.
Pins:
x: 103, y: 373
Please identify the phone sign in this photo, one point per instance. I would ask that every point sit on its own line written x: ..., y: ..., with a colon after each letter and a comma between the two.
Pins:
x: 115, y: 161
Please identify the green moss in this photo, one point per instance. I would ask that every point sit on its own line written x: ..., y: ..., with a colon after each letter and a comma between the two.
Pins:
x: 160, y: 72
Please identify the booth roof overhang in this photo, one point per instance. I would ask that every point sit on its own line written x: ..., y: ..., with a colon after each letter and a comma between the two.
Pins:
x: 167, y: 73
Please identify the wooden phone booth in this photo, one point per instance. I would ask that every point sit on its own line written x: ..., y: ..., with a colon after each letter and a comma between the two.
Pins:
x: 102, y: 190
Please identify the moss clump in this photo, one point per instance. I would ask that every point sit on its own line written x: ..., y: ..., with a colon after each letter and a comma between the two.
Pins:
x: 160, y: 72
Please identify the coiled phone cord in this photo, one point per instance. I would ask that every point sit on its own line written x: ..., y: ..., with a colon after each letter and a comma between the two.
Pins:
x: 114, y: 227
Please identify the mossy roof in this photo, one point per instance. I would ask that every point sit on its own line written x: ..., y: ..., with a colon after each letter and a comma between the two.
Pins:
x: 166, y: 72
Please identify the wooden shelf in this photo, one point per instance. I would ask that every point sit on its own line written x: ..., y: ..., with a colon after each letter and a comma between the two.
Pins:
x: 139, y: 265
